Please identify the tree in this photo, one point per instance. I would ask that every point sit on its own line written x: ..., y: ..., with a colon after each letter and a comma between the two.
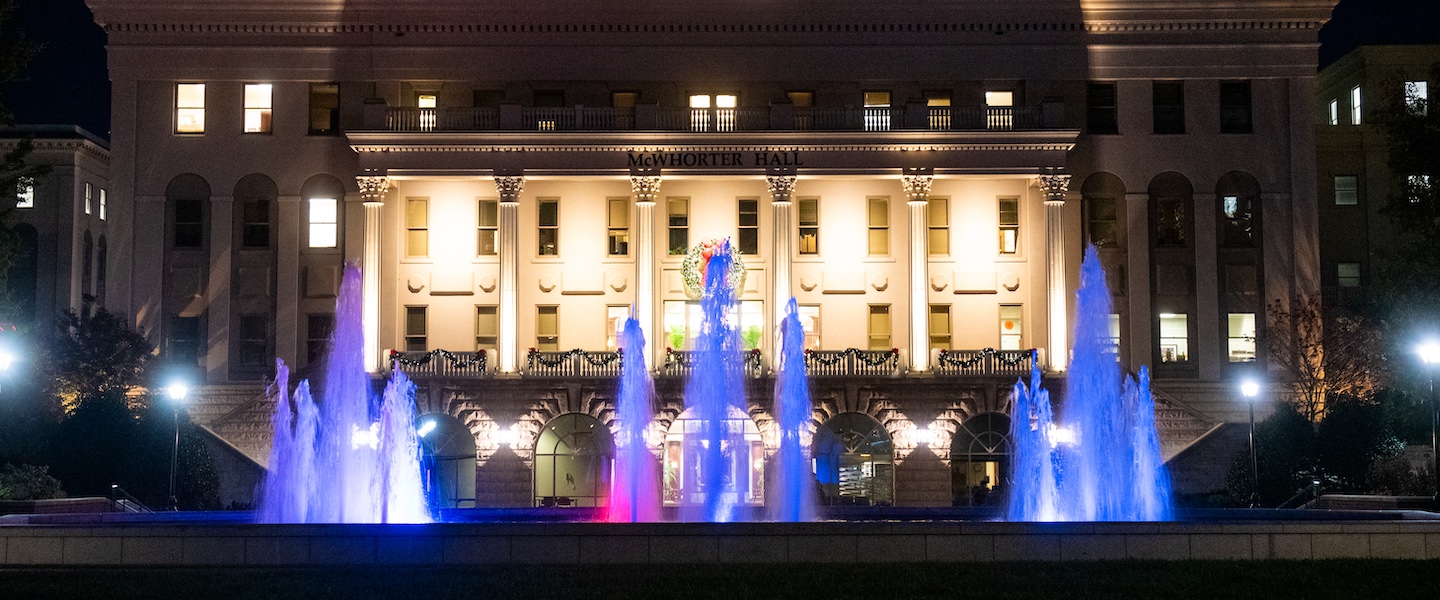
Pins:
x: 1320, y: 357
x: 1353, y: 437
x: 28, y: 482
x: 1285, y: 455
x: 94, y: 355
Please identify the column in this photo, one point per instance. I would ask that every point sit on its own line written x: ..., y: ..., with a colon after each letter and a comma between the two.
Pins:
x: 287, y: 280
x: 373, y: 186
x: 1055, y: 184
x: 916, y: 183
x: 782, y: 235
x: 508, y: 187
x: 218, y: 290
x: 644, y: 186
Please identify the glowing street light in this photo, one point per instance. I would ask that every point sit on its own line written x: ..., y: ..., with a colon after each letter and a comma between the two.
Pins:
x: 1250, y: 389
x: 1430, y: 355
x: 177, y: 391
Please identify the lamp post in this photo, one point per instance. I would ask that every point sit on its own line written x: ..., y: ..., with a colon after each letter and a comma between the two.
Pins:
x: 177, y: 392
x: 1251, y: 389
x: 1430, y: 355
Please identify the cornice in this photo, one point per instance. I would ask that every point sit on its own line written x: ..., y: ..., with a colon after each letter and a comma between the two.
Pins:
x: 61, y: 145
x: 498, y: 148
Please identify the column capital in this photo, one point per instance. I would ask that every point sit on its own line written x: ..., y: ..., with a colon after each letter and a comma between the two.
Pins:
x: 782, y: 186
x: 509, y: 187
x: 916, y: 183
x: 1055, y: 184
x: 645, y: 185
x: 373, y: 187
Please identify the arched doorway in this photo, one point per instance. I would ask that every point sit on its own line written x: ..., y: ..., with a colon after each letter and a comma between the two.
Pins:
x: 448, y: 461
x: 855, y: 461
x: 980, y: 460
x: 684, y: 446
x: 573, y: 458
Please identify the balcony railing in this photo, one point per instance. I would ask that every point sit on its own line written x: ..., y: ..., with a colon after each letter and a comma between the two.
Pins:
x: 441, y: 364
x: 679, y: 363
x: 711, y: 120
x: 987, y: 362
x: 573, y: 363
x: 853, y: 362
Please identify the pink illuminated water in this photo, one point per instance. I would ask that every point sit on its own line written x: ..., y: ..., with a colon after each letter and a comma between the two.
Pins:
x: 635, y: 492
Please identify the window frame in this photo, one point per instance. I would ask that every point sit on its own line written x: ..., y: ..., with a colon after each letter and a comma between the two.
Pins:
x: 544, y: 230
x: 540, y: 333
x: 1167, y: 119
x: 1102, y: 118
x: 416, y: 340
x: 617, y: 235
x: 246, y: 347
x: 89, y: 196
x: 949, y: 334
x: 1018, y: 337
x: 482, y: 229
x: 1238, y: 125
x: 311, y: 223
x: 1357, y: 112
x: 1003, y: 227
x: 333, y: 112
x: 199, y: 226
x: 1178, y: 358
x: 481, y: 311
x: 194, y: 110
x: 677, y: 224
x: 801, y: 227
x: 873, y: 229
x: 931, y: 228
x: 1354, y: 194
x: 1231, y: 338
x: 887, y: 340
x: 747, y: 237
x: 264, y: 115
x: 417, y: 229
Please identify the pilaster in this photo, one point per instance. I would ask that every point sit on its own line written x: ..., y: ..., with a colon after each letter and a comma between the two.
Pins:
x: 916, y: 183
x: 1055, y: 185
x: 373, y: 187
x: 644, y: 186
x: 782, y: 213
x: 508, y: 187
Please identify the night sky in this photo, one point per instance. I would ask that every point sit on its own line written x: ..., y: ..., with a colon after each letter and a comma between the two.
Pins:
x: 68, y: 83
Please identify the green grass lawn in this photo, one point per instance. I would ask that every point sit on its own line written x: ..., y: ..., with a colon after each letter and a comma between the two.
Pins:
x: 1387, y: 580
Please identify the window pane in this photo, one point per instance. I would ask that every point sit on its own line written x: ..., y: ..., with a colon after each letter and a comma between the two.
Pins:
x: 879, y: 242
x: 1241, y: 334
x: 879, y: 212
x: 549, y: 213
x: 1174, y: 338
x: 324, y: 108
x: 1348, y: 274
x: 940, y: 241
x: 877, y: 99
x: 1347, y: 190
x: 257, y: 107
x: 1355, y: 105
x: 619, y: 214
x: 489, y: 211
x: 1010, y: 326
x: 880, y: 328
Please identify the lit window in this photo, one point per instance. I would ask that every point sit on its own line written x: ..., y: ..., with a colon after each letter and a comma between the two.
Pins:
x: 549, y: 227
x: 487, y: 328
x: 879, y: 225
x: 682, y: 323
x: 937, y: 219
x: 1237, y: 221
x: 324, y: 223
x: 720, y: 118
x: 427, y: 104
x: 1347, y: 190
x: 1347, y: 274
x: 425, y: 101
x: 810, y: 321
x: 940, y: 326
x: 417, y: 227
x: 1174, y: 338
x: 324, y: 108
x: 880, y: 327
x: 752, y: 324
x: 103, y: 202
x: 190, y: 108
x: 809, y: 225
x: 999, y: 110
x: 547, y: 328
x: 1355, y: 105
x: 677, y: 213
x: 26, y: 196
x: 1113, y: 323
x: 257, y: 107
x: 1334, y: 111
x: 1009, y: 225
x: 1417, y: 97
x: 615, y: 317
x: 749, y: 226
x: 877, y: 111
x: 89, y: 193
x: 487, y: 225
x: 617, y: 224
x: 937, y: 104
x: 1010, y: 330
x: 416, y: 327
x: 1241, y: 334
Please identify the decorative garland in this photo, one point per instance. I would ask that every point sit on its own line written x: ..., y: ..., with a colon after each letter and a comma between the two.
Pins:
x: 458, y: 361
x: 1009, y: 358
x: 862, y: 355
x: 682, y: 358
x: 598, y: 359
x: 698, y: 259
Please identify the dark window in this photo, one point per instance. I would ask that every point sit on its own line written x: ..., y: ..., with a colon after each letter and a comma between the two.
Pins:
x: 254, y: 340
x: 549, y: 98
x: 1102, y: 220
x: 87, y: 262
x: 255, y: 223
x: 678, y: 225
x: 324, y: 109
x: 488, y: 227
x: 101, y: 263
x: 488, y: 98
x: 749, y: 226
x: 1237, y: 218
x: 189, y: 223
x: 415, y: 329
x: 317, y: 335
x: 1169, y: 106
x: 1235, y: 107
x: 1100, y: 109
x: 549, y: 228
x: 1170, y: 222
x: 185, y: 341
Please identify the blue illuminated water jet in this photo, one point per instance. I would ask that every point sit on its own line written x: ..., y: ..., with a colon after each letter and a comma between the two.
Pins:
x: 793, y: 493
x: 1103, y: 463
x: 635, y: 492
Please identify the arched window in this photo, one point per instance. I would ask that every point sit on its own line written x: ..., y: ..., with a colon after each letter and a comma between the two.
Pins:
x: 322, y: 213
x: 573, y: 458
x: 447, y: 449
x: 980, y: 459
x: 21, y: 278
x: 1103, y: 198
x: 1239, y: 210
x: 744, y: 460
x: 87, y: 268
x: 186, y: 200
x: 855, y: 461
x: 1170, y: 199
x: 255, y: 211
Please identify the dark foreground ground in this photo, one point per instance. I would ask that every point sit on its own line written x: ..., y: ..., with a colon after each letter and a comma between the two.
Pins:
x: 1390, y: 580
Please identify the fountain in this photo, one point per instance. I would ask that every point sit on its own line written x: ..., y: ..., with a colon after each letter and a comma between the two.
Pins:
x: 635, y: 491
x: 793, y: 494
x: 1104, y: 463
x: 333, y: 462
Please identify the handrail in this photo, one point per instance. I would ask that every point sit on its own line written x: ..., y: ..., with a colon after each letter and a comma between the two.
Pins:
x: 680, y: 363
x: 986, y: 361
x: 713, y: 120
x: 852, y: 361
x: 573, y: 363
